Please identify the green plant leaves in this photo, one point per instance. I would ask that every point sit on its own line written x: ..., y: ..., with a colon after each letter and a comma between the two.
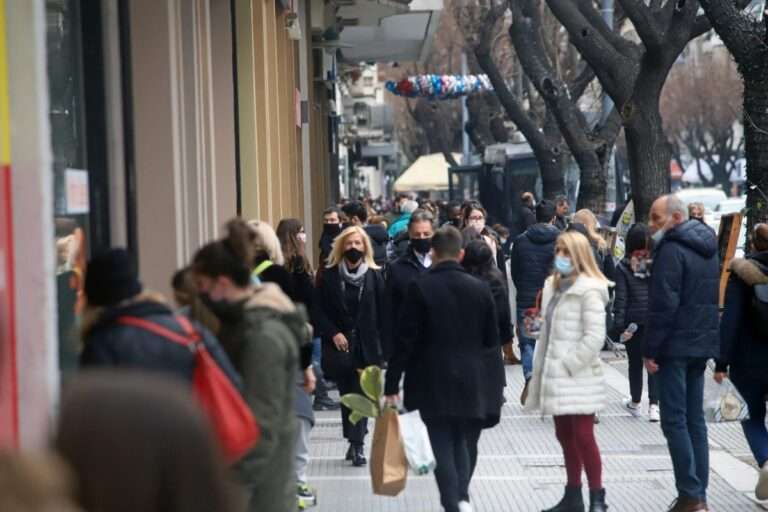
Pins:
x: 360, y: 405
x: 354, y: 417
x: 372, y: 382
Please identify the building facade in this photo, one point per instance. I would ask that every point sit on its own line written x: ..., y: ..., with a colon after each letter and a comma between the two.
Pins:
x: 147, y: 124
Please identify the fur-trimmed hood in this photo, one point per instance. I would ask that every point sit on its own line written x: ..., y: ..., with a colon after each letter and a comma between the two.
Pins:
x: 750, y: 271
x: 269, y: 295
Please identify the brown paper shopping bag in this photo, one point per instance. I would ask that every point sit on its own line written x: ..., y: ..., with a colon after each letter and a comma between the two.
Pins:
x: 389, y: 467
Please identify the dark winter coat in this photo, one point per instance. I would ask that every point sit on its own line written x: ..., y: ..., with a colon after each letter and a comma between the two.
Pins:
x: 330, y: 317
x: 400, y: 273
x: 561, y: 223
x: 531, y: 262
x: 448, y: 346
x: 379, y: 239
x: 742, y: 349
x: 109, y: 344
x: 630, y: 305
x: 683, y: 311
x: 500, y: 292
x: 527, y: 218
x: 264, y: 343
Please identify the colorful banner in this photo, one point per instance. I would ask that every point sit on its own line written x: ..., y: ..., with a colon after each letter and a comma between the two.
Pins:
x: 9, y: 414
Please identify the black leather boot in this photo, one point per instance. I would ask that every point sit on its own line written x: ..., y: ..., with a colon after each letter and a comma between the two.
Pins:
x: 358, y: 456
x: 597, y: 501
x: 572, y: 501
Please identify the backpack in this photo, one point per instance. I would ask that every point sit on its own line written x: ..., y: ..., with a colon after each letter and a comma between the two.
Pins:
x: 229, y: 415
x: 760, y: 309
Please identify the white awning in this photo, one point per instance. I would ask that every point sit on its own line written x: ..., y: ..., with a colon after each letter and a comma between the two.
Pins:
x: 404, y: 36
x: 428, y: 173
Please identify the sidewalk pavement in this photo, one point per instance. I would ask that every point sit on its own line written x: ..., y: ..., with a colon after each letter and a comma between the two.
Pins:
x: 520, y: 467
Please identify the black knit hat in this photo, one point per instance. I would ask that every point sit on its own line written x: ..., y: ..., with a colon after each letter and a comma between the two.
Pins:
x: 111, y: 278
x: 637, y: 239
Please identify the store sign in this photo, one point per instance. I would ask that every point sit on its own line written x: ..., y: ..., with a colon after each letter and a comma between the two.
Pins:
x: 76, y: 182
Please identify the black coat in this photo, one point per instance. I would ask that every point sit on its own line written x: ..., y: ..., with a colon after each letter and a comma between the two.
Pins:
x: 630, y: 304
x: 400, y: 273
x: 379, y: 239
x: 683, y: 310
x: 330, y: 317
x: 531, y: 262
x: 110, y: 344
x: 291, y: 285
x: 742, y: 349
x: 448, y: 346
x: 500, y: 292
x: 527, y: 218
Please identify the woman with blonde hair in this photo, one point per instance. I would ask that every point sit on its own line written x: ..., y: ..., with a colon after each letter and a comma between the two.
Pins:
x: 600, y: 247
x: 347, y: 315
x: 568, y: 381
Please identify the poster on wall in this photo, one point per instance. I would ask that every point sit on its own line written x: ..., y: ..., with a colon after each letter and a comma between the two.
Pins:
x: 76, y: 183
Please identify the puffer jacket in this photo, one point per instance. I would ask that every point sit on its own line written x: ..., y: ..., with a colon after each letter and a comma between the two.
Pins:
x: 568, y: 375
x: 683, y: 309
x: 107, y: 343
x: 263, y: 343
x: 531, y: 262
x: 743, y: 351
x: 630, y: 304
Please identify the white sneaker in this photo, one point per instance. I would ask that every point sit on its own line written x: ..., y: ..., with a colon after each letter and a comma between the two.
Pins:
x: 653, y: 414
x: 464, y: 506
x: 633, y: 408
x: 761, y: 491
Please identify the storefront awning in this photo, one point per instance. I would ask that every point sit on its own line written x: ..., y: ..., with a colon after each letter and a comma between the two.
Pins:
x: 428, y: 173
x: 404, y: 36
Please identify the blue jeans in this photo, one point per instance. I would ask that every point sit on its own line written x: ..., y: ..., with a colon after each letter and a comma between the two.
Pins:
x: 527, y: 346
x: 681, y: 397
x: 753, y: 391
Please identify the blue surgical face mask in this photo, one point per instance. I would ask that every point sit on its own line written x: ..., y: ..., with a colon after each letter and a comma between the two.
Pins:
x: 658, y: 236
x: 563, y: 265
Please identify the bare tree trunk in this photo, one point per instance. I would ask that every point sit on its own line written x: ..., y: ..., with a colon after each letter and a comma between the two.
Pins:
x: 649, y: 155
x: 756, y: 128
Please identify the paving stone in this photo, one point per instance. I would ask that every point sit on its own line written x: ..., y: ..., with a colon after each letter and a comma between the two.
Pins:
x: 520, y: 467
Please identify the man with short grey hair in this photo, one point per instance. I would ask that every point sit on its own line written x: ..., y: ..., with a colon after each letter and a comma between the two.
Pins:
x: 682, y: 334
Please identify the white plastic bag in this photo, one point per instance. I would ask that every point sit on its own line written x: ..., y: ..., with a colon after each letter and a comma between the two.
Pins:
x: 418, y: 449
x: 724, y: 403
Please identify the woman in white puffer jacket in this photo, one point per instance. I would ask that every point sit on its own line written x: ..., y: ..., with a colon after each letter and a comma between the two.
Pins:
x: 568, y: 380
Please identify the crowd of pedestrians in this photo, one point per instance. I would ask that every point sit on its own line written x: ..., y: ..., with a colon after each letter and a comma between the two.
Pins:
x: 436, y: 294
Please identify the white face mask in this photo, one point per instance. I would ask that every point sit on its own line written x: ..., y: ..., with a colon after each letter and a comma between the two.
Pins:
x: 302, y: 237
x: 479, y: 225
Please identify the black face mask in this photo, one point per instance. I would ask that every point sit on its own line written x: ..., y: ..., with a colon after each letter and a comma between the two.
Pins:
x: 421, y: 245
x: 456, y: 222
x: 331, y: 230
x: 353, y: 255
x: 227, y: 312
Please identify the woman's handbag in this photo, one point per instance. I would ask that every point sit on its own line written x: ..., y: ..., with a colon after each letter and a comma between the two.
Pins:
x: 533, y: 319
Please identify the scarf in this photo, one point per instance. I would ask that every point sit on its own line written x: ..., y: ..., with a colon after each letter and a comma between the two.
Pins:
x: 350, y: 278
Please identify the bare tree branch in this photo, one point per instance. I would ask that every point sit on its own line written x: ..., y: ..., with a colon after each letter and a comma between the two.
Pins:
x: 644, y: 22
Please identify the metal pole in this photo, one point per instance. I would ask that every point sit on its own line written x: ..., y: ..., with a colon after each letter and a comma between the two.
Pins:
x: 615, y: 191
x: 464, y: 115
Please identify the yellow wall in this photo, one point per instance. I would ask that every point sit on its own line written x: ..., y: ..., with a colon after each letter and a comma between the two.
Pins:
x: 270, y: 143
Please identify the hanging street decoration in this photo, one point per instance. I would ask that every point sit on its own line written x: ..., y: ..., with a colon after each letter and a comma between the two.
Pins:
x: 440, y: 87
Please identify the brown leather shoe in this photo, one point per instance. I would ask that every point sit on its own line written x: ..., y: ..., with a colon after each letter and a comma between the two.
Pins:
x: 686, y: 504
x: 509, y: 355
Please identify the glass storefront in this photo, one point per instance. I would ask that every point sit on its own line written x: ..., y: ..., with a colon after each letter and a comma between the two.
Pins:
x: 70, y: 169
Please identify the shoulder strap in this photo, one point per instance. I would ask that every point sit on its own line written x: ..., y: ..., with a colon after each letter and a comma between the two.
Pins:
x: 163, y: 331
x: 261, y: 267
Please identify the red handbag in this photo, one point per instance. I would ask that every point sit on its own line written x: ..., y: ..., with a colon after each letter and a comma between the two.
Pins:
x: 231, y: 418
